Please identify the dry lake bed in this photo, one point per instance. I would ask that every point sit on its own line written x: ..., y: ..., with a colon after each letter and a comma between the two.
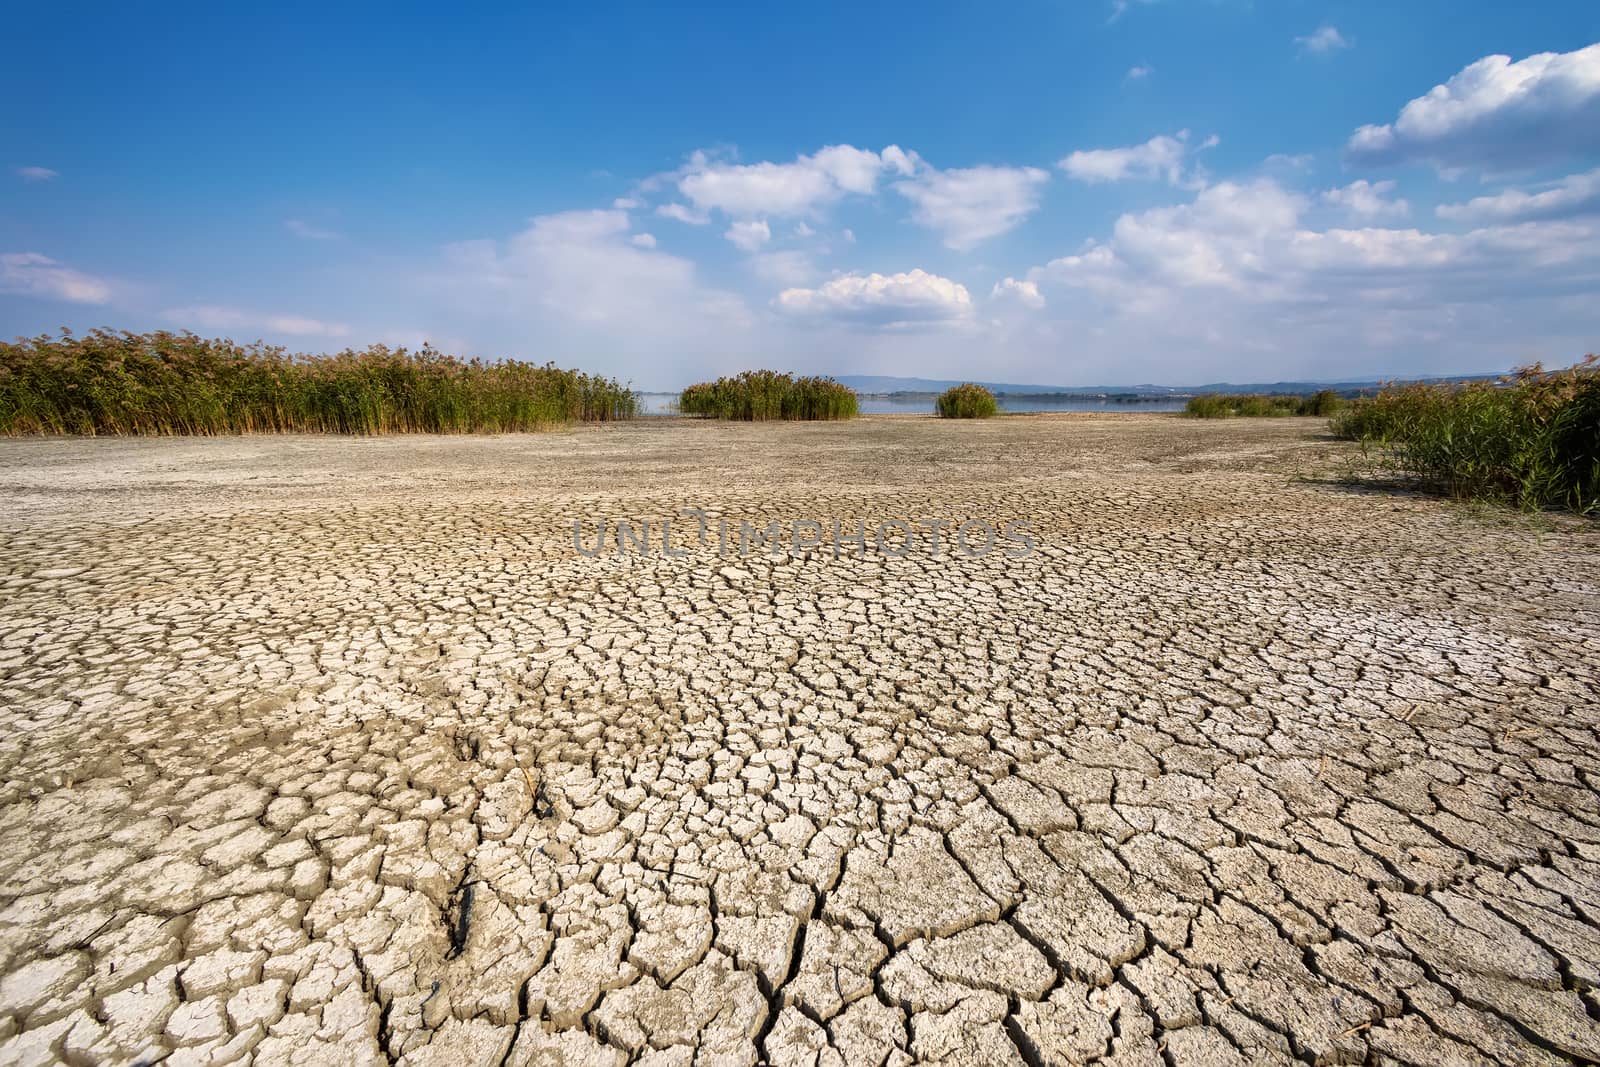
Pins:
x: 322, y: 750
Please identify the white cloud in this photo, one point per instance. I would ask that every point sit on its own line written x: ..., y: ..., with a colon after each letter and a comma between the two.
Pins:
x: 1326, y: 39
x: 212, y: 317
x: 31, y: 274
x: 902, y: 162
x: 310, y: 232
x: 683, y: 214
x: 749, y: 235
x: 1160, y: 157
x: 626, y: 203
x: 1368, y: 201
x: 1025, y: 293
x: 1279, y: 160
x: 1139, y: 72
x: 576, y: 286
x: 971, y: 204
x: 1496, y: 115
x: 915, y: 296
x: 784, y: 268
x: 1239, y: 284
x: 36, y: 174
x: 1577, y: 194
x: 1239, y: 269
x: 785, y: 189
x: 643, y: 240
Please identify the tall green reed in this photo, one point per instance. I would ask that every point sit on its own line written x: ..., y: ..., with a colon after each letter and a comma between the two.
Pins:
x: 115, y: 382
x: 764, y: 395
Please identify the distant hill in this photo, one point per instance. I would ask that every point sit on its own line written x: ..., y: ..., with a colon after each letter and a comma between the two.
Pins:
x: 884, y: 385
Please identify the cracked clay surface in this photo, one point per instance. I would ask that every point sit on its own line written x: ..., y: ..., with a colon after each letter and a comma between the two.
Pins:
x: 320, y: 750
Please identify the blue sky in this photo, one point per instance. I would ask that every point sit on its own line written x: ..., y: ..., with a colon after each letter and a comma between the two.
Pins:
x: 1090, y: 192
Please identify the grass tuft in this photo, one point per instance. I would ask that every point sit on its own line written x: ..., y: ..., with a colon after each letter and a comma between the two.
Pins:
x: 111, y: 382
x: 765, y: 395
x: 1531, y: 440
x: 967, y: 401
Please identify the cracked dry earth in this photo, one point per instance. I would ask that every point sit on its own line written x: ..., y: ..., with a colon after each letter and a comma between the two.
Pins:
x: 335, y: 751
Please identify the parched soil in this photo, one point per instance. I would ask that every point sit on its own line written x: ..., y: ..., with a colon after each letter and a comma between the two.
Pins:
x: 322, y: 750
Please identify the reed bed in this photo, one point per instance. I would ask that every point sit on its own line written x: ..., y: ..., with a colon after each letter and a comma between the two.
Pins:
x: 966, y: 401
x: 1531, y: 440
x: 111, y: 382
x: 1322, y: 403
x: 764, y: 395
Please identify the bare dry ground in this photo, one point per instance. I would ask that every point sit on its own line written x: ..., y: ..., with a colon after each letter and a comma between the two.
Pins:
x: 336, y: 751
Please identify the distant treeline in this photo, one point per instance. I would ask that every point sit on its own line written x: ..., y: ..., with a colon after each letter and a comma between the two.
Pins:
x: 763, y: 395
x: 1531, y: 440
x: 110, y: 382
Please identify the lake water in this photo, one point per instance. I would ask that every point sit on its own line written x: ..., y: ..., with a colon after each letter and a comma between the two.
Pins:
x: 665, y: 404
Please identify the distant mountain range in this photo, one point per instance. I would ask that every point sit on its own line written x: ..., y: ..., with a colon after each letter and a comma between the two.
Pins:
x: 887, y: 385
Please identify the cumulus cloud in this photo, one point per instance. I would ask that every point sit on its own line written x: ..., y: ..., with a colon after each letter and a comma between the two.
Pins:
x: 32, y: 274
x: 1160, y: 157
x: 683, y: 214
x: 36, y: 174
x: 784, y: 268
x: 1495, y: 114
x: 1282, y: 161
x: 1247, y: 246
x: 1240, y: 284
x: 1577, y: 194
x: 1326, y: 39
x: 309, y: 232
x: 581, y: 264
x: 972, y: 204
x: 213, y: 317
x: 749, y: 235
x: 747, y: 190
x: 915, y: 296
x: 1023, y: 292
x: 578, y: 285
x: 1368, y: 201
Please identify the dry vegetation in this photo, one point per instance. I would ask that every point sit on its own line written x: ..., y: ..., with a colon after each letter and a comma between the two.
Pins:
x: 966, y: 401
x: 1531, y: 440
x: 110, y: 382
x: 1324, y: 402
x: 764, y: 395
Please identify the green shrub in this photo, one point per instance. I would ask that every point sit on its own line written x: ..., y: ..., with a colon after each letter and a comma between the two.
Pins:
x: 1209, y: 406
x: 967, y: 401
x: 1531, y: 440
x: 1322, y: 403
x: 1255, y: 405
x: 109, y: 382
x: 763, y: 395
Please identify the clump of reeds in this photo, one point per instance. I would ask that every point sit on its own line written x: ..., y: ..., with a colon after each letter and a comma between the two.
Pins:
x: 1530, y: 440
x: 1324, y: 402
x: 762, y: 395
x: 966, y: 401
x: 110, y: 382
